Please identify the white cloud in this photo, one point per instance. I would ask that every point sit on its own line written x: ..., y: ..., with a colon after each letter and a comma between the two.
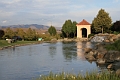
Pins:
x: 5, y: 21
x: 42, y: 11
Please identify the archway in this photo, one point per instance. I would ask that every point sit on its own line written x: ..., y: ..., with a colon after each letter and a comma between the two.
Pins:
x: 84, y: 33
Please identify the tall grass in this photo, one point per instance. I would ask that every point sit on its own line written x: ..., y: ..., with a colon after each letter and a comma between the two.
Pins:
x: 113, y: 46
x: 88, y: 76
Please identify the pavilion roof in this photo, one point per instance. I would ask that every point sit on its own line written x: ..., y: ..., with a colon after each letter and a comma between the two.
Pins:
x: 84, y: 22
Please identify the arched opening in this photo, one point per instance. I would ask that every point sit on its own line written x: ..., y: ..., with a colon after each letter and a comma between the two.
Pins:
x: 84, y: 33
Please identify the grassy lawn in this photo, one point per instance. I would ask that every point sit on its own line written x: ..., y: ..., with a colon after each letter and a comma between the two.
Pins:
x: 4, y: 43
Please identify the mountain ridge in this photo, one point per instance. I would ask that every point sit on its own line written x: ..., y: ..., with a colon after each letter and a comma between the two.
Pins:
x: 34, y: 26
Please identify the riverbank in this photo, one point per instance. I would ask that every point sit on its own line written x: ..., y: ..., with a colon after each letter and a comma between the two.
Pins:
x: 4, y: 44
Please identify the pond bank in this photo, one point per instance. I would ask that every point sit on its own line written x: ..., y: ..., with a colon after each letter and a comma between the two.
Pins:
x: 24, y: 43
x: 19, y: 43
x: 109, y: 58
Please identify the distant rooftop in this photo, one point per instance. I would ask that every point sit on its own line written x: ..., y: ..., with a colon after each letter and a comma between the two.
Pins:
x: 83, y: 22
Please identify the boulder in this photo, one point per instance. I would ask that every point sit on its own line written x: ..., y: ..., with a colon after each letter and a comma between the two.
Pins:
x: 100, y: 61
x: 87, y: 50
x: 112, y: 56
x: 110, y: 66
x: 118, y: 72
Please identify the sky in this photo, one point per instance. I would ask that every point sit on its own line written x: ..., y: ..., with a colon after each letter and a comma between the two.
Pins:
x: 54, y: 12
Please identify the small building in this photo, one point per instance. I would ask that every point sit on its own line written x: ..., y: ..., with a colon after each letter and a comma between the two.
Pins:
x: 83, y: 29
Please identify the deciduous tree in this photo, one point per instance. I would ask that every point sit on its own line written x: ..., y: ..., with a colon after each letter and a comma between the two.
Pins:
x: 102, y: 22
x: 9, y: 33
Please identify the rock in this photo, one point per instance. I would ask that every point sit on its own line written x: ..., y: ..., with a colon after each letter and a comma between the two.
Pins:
x: 54, y: 40
x: 90, y: 58
x: 112, y: 56
x: 118, y: 72
x: 87, y: 50
x: 100, y: 61
x: 100, y: 55
x: 110, y: 66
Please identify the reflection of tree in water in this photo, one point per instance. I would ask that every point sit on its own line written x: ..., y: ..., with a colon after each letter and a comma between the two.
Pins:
x: 69, y: 50
x: 52, y: 50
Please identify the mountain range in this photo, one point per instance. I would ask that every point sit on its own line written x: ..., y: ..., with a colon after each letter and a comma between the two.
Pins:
x: 33, y: 26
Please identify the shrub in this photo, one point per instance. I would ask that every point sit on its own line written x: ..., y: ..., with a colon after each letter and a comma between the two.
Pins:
x: 90, y: 35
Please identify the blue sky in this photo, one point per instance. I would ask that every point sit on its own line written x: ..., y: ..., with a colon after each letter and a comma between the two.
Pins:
x: 55, y: 12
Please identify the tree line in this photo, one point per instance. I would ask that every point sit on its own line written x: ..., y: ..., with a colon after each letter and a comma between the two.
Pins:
x: 102, y: 23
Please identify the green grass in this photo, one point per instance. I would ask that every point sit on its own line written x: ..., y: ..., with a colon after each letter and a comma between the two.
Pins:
x: 114, y: 46
x: 4, y: 43
x: 88, y: 76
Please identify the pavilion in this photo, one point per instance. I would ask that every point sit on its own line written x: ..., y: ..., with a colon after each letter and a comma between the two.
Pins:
x: 83, y: 29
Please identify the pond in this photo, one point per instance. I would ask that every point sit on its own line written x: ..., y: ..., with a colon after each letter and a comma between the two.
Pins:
x: 31, y: 61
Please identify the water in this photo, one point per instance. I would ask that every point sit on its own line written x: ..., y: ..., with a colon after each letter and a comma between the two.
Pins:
x: 31, y: 61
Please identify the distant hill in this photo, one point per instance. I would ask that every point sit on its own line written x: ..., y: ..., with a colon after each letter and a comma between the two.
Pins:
x: 33, y: 26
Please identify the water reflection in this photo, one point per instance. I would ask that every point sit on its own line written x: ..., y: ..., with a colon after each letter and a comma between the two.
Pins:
x: 52, y: 49
x: 69, y: 50
x: 80, y: 49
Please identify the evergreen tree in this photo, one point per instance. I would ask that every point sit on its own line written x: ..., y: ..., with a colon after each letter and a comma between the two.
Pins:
x: 52, y: 31
x: 102, y: 22
x: 74, y: 28
x: 67, y: 27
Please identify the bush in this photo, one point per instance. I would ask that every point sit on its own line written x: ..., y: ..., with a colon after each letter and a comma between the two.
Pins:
x: 115, y: 32
x: 90, y: 35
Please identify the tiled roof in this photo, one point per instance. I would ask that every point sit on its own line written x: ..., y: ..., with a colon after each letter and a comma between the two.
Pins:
x: 83, y: 22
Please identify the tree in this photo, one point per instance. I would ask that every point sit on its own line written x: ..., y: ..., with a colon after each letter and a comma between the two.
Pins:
x: 52, y: 31
x: 20, y: 33
x: 1, y: 33
x: 102, y: 22
x: 67, y: 27
x: 116, y: 26
x: 74, y: 28
x: 30, y: 35
x: 9, y: 33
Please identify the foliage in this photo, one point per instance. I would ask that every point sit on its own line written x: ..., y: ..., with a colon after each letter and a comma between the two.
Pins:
x: 102, y: 22
x: 1, y: 33
x: 116, y: 26
x: 115, y: 32
x: 88, y: 76
x: 74, y: 28
x: 30, y: 35
x: 20, y: 32
x: 8, y: 33
x: 90, y: 35
x: 114, y: 46
x: 69, y: 28
x: 52, y: 31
